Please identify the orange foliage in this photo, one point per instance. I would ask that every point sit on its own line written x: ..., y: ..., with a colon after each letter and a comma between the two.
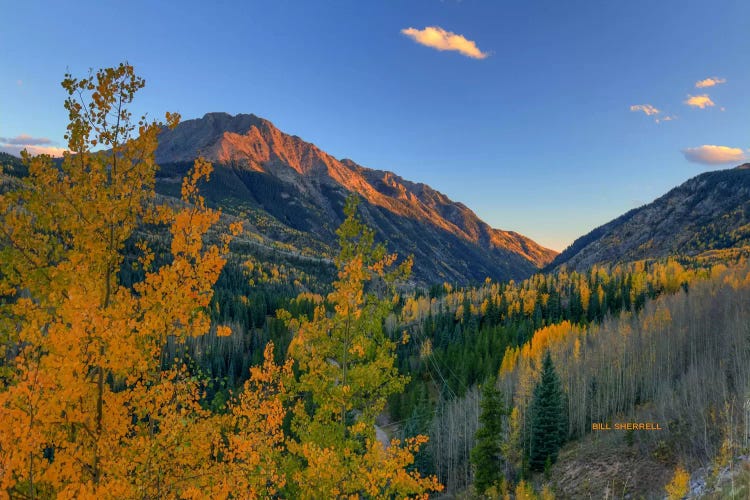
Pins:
x: 86, y: 408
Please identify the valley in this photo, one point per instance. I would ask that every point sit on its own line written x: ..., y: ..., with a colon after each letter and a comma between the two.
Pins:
x: 595, y: 295
x: 215, y: 308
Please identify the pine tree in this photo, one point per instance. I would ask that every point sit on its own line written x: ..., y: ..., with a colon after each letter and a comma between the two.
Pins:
x: 486, y: 454
x: 547, y: 418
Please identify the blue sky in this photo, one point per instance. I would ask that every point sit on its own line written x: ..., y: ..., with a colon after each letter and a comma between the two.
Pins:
x: 532, y: 128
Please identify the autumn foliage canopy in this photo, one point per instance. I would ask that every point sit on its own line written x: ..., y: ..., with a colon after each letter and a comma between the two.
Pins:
x: 90, y: 406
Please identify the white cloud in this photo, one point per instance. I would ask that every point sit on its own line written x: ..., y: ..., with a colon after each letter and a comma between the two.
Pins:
x: 714, y: 155
x: 25, y: 139
x: 440, y: 39
x: 667, y: 118
x: 34, y: 145
x: 646, y: 108
x: 710, y: 82
x: 699, y: 101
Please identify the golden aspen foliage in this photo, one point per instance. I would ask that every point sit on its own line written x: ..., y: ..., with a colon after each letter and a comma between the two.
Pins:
x: 585, y: 292
x: 346, y: 374
x: 678, y: 487
x: 546, y: 493
x: 88, y: 407
x: 524, y: 491
x: 717, y: 270
x: 510, y: 359
x: 251, y: 438
x: 484, y: 306
x: 459, y: 312
x: 522, y: 364
x: 600, y: 294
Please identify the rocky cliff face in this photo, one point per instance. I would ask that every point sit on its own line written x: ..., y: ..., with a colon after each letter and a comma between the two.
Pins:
x: 708, y: 212
x: 258, y: 167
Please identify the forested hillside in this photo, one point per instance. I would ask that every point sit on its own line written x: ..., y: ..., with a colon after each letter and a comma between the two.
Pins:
x: 12, y: 165
x: 708, y: 212
x: 681, y: 362
x: 469, y: 329
x: 656, y: 361
x: 245, y: 331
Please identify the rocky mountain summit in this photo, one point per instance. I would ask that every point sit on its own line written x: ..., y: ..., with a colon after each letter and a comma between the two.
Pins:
x: 262, y: 172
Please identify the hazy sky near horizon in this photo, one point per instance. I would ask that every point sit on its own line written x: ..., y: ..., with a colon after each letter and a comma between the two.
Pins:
x: 545, y: 117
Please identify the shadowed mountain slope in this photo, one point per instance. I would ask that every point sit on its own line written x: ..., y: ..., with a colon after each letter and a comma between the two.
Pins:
x: 708, y: 212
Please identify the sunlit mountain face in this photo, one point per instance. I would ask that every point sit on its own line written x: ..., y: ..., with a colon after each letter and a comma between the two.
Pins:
x: 259, y: 167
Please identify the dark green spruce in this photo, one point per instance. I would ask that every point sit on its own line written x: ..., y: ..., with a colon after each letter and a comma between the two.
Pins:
x: 547, y: 417
x: 485, y: 456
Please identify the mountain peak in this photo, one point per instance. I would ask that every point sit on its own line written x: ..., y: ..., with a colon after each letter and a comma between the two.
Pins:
x: 245, y: 140
x: 314, y: 183
x: 224, y: 117
x: 744, y: 166
x: 240, y: 123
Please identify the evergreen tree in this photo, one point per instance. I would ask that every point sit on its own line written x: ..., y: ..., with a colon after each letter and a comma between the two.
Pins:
x: 419, y: 424
x: 486, y: 456
x: 547, y: 417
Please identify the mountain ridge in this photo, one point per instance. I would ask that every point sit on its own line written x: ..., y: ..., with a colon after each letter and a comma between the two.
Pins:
x: 251, y: 151
x: 710, y: 211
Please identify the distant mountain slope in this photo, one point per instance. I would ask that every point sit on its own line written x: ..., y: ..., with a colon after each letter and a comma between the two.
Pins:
x: 12, y: 165
x: 710, y: 211
x: 293, y: 192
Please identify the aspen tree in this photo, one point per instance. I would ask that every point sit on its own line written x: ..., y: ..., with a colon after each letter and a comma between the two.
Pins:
x: 679, y: 486
x: 347, y: 372
x: 86, y: 407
